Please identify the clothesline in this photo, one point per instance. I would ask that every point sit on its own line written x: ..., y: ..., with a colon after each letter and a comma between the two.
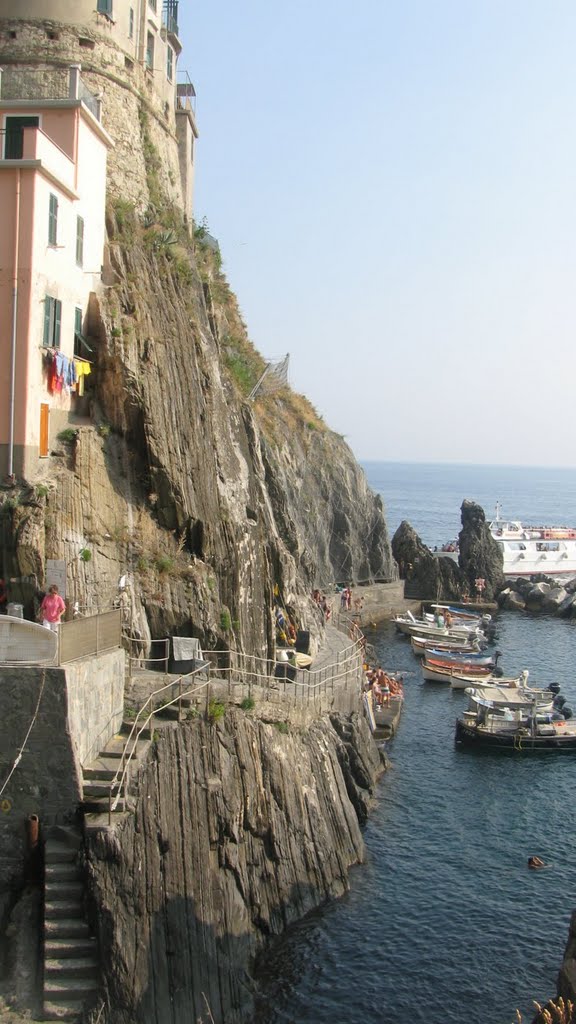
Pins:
x: 65, y: 374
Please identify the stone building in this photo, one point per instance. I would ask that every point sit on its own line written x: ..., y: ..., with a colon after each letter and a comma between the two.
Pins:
x: 130, y: 57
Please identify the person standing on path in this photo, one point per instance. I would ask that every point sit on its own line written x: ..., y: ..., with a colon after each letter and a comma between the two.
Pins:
x: 52, y: 609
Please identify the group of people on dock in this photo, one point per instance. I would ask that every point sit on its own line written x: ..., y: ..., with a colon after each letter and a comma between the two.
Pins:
x: 382, y: 686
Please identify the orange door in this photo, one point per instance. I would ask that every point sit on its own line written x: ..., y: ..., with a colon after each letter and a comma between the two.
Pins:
x: 44, y: 420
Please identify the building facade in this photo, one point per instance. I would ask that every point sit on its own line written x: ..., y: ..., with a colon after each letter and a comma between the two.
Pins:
x: 52, y: 197
x: 88, y: 91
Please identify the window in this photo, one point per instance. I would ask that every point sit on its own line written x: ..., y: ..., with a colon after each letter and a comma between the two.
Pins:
x: 79, y: 241
x: 52, y: 321
x: 15, y: 135
x: 169, y: 63
x: 81, y: 346
x: 104, y: 7
x: 150, y: 51
x: 53, y: 220
x: 131, y: 23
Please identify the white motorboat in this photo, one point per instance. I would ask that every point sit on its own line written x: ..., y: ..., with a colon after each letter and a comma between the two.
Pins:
x: 449, y: 644
x: 534, y: 549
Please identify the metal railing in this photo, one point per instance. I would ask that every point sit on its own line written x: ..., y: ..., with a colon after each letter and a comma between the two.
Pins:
x: 95, y: 634
x: 303, y: 685
x: 31, y: 83
x: 139, y: 653
x: 143, y: 721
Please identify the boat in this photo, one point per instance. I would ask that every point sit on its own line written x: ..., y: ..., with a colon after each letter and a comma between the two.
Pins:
x: 456, y: 658
x: 438, y: 673
x: 462, y: 614
x: 26, y: 643
x: 489, y: 726
x: 420, y: 644
x: 409, y: 625
x: 527, y: 550
x: 513, y: 695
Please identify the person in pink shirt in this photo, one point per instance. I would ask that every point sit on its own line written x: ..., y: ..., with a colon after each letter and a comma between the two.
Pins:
x: 52, y: 609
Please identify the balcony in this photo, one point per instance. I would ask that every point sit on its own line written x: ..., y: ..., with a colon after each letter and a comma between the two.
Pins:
x: 170, y: 16
x: 24, y: 84
x: 185, y: 93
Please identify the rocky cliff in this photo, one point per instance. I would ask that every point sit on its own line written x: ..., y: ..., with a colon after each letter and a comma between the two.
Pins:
x: 209, y: 503
x: 226, y: 848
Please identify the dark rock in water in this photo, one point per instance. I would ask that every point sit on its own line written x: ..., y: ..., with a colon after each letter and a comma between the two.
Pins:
x: 430, y: 577
x: 554, y: 599
x: 514, y: 602
x: 480, y: 555
x: 535, y: 596
x: 564, y: 610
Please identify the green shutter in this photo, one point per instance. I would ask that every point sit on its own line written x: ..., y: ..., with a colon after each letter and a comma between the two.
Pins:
x: 79, y: 241
x: 53, y: 221
x: 57, y: 322
x: 46, y: 340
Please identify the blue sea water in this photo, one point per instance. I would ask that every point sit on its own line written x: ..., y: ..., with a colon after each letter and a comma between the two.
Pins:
x: 444, y: 923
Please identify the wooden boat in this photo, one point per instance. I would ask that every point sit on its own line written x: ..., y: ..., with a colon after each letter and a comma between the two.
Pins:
x: 410, y: 626
x: 459, y: 646
x: 523, y: 737
x: 433, y: 673
x: 26, y: 643
x: 457, y: 658
x: 524, y: 726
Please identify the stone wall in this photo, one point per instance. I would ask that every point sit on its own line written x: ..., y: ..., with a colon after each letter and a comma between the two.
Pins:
x: 128, y: 95
x: 95, y: 701
x: 77, y: 708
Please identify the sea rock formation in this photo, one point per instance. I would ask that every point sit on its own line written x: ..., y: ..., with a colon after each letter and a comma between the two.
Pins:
x: 480, y: 556
x: 429, y: 577
x: 226, y: 848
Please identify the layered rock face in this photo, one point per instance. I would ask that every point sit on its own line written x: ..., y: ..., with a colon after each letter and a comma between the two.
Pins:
x: 239, y: 830
x: 435, y: 577
x: 480, y: 556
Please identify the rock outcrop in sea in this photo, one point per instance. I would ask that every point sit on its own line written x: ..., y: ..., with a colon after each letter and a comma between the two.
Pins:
x: 437, y: 576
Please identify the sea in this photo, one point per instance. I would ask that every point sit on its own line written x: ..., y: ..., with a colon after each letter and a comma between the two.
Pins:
x: 444, y: 923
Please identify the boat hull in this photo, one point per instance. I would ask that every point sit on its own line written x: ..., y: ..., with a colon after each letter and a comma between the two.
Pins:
x: 468, y: 735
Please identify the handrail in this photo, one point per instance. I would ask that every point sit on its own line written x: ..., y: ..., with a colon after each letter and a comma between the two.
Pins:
x: 124, y: 762
x: 303, y: 679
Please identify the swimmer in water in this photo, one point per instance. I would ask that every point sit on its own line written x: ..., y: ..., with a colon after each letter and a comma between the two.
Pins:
x: 535, y: 862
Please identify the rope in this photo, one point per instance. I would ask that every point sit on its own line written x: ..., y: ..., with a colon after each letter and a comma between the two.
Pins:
x: 30, y: 727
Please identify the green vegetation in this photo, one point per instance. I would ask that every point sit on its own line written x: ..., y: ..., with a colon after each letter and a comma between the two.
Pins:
x: 68, y: 435
x: 216, y: 710
x: 142, y: 564
x: 282, y: 727
x: 42, y: 491
x: 164, y: 564
x: 225, y: 620
x: 85, y: 555
x: 104, y: 429
x: 248, y: 703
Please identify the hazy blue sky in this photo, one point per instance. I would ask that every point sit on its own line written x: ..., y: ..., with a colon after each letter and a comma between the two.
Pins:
x: 392, y: 186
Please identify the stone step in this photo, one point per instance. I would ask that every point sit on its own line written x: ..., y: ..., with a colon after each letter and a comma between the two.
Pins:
x: 101, y: 768
x: 58, y: 853
x: 56, y: 889
x: 60, y: 928
x: 96, y: 787
x: 70, y: 1009
x: 66, y: 986
x: 71, y: 967
x: 63, y: 908
x: 116, y: 746
x: 62, y: 872
x: 58, y: 949
x: 127, y: 726
x: 98, y: 820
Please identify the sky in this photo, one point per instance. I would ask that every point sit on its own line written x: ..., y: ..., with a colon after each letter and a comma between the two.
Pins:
x: 392, y: 185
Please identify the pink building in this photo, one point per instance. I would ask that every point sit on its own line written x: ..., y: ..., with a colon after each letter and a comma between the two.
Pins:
x: 52, y: 197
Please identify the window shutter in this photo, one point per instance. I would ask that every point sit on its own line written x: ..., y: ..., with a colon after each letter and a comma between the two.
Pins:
x: 57, y: 321
x: 53, y: 220
x: 47, y: 318
x: 79, y: 241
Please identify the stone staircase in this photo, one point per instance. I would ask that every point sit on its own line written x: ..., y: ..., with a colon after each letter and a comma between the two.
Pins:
x: 99, y: 774
x: 71, y: 966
